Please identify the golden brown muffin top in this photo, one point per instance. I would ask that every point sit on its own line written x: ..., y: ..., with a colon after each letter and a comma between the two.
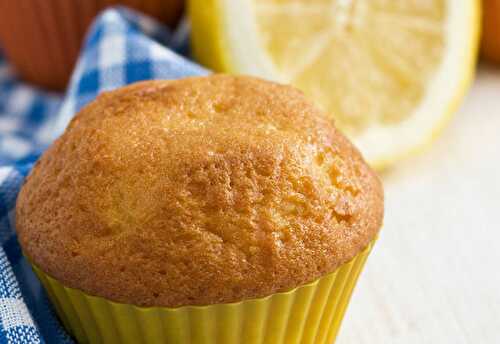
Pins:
x: 197, y: 191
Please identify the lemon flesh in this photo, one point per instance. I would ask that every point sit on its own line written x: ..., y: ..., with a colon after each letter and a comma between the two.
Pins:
x: 388, y: 72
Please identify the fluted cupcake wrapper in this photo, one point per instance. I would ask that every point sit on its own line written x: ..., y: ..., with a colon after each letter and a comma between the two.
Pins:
x: 308, y: 314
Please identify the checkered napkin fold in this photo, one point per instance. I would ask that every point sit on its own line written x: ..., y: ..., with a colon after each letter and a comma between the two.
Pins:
x: 122, y: 46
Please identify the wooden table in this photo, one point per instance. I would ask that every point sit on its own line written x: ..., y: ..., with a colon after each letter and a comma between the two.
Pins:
x: 434, y: 276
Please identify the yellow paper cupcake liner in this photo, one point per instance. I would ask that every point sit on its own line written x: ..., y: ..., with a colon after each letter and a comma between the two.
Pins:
x: 308, y: 314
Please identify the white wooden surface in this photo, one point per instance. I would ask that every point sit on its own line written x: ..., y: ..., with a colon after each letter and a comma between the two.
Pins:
x: 434, y: 276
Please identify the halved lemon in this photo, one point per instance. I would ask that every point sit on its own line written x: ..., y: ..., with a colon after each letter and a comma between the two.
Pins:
x: 389, y: 72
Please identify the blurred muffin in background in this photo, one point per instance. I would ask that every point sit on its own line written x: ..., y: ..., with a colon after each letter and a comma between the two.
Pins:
x: 490, y: 45
x: 42, y: 38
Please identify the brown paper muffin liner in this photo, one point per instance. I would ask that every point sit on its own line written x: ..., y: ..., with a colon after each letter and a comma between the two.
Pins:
x: 42, y: 39
x: 308, y: 314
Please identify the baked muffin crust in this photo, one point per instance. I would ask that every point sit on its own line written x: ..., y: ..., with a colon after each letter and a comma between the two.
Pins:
x: 197, y: 191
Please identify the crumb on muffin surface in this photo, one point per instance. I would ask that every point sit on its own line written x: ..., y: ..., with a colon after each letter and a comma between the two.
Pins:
x: 197, y: 191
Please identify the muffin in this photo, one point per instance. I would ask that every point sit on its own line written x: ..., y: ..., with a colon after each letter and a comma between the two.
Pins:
x: 42, y: 38
x: 490, y: 39
x: 221, y: 209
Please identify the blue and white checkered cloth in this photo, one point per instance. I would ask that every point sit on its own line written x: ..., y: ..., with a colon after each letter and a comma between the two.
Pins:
x: 121, y: 47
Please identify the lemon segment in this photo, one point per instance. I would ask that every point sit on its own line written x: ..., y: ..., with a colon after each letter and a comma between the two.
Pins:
x: 390, y: 73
